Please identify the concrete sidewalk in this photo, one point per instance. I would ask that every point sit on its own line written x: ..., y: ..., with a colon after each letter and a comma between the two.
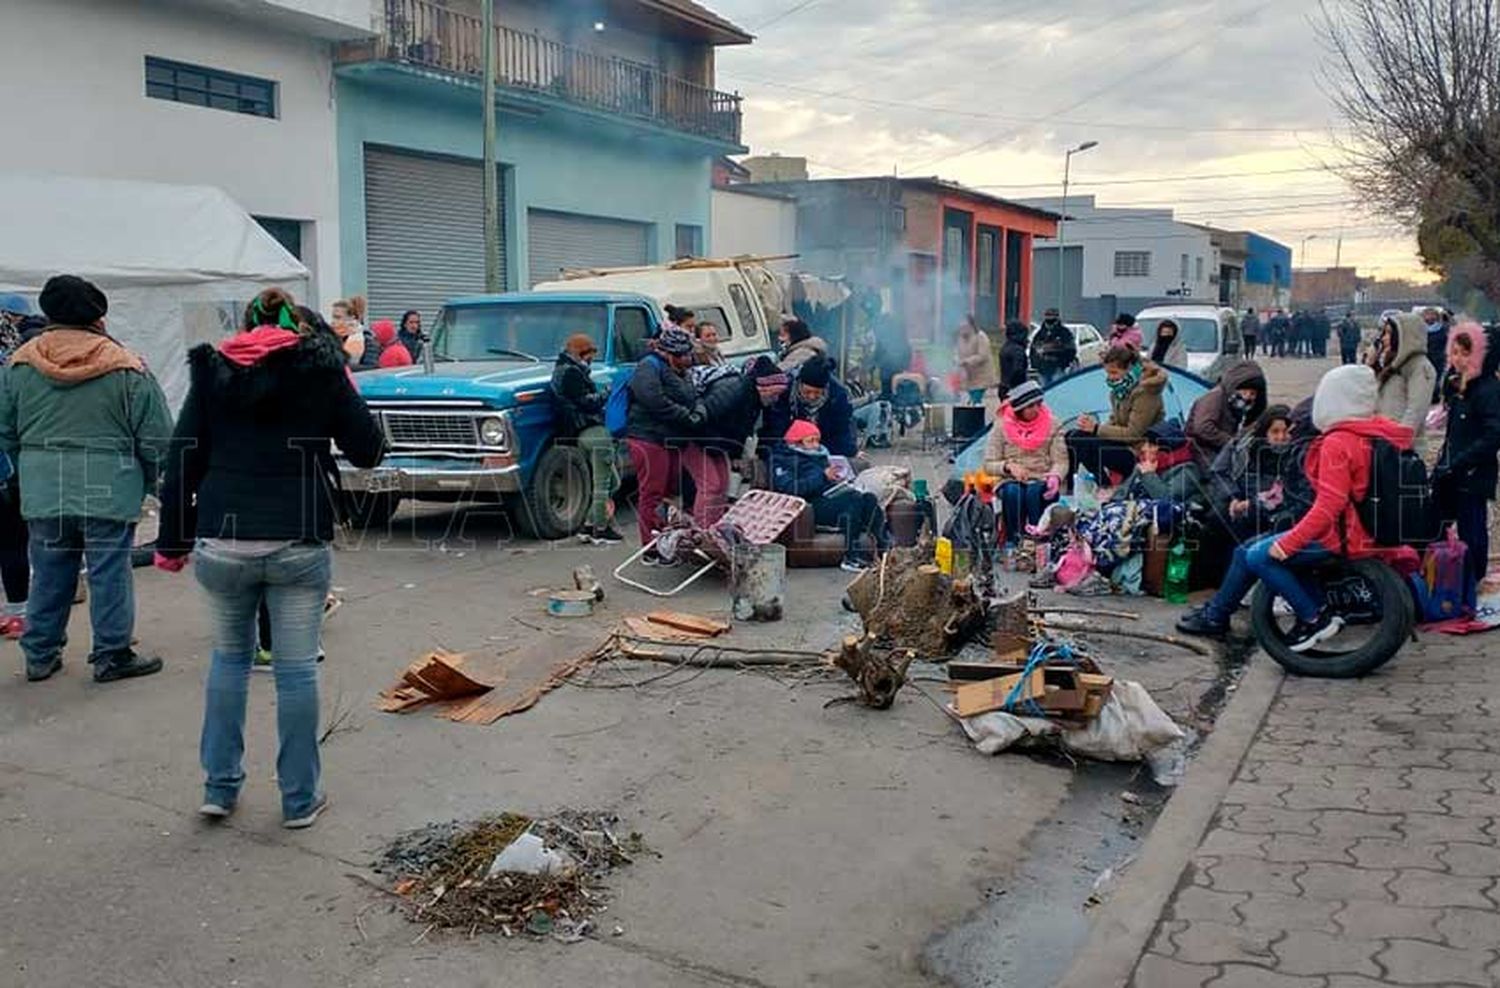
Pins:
x: 1358, y: 844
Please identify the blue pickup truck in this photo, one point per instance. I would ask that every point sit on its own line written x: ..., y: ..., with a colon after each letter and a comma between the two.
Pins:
x: 478, y: 427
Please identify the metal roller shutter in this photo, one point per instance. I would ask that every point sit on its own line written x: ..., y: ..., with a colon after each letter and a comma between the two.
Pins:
x: 424, y: 232
x: 567, y: 240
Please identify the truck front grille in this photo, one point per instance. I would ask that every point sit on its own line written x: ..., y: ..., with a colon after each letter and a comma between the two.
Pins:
x: 431, y: 429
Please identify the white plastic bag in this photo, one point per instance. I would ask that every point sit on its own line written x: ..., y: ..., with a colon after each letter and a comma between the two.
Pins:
x: 1130, y: 727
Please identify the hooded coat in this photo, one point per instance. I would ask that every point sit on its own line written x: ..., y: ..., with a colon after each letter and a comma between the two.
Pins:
x: 1338, y: 462
x: 85, y: 424
x: 664, y: 408
x: 731, y: 405
x: 1468, y: 458
x: 1212, y: 423
x: 1054, y: 348
x: 1139, y: 410
x: 251, y: 454
x: 1013, y: 363
x: 1406, y: 385
x: 976, y: 361
x: 1173, y: 352
x: 577, y: 402
x: 801, y: 352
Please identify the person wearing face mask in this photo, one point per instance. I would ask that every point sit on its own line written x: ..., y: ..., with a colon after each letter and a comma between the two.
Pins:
x: 1054, y: 351
x: 706, y: 352
x: 1406, y: 376
x: 1218, y: 416
x: 1028, y: 454
x: 665, y: 410
x: 1255, y: 480
x: 578, y: 410
x: 1169, y: 346
x: 1135, y: 400
x: 1464, y: 480
x: 1437, y: 322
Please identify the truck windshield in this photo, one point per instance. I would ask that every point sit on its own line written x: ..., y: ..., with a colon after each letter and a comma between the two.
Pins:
x: 515, y: 330
x: 1198, y: 335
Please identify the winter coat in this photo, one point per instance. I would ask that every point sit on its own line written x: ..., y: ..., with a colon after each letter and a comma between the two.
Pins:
x: 1175, y: 354
x: 976, y: 361
x: 800, y: 472
x: 664, y: 408
x: 1406, y: 385
x: 251, y: 455
x: 1338, y: 467
x: 1013, y: 362
x: 1050, y: 457
x: 801, y: 352
x: 732, y: 408
x: 1053, y: 348
x: 85, y: 424
x: 1349, y: 334
x: 369, y: 357
x: 1250, y: 466
x: 412, y: 342
x: 577, y: 403
x: 1250, y: 327
x: 1468, y: 458
x: 1180, y: 484
x: 1212, y: 424
x: 1132, y: 415
x: 1125, y: 336
x: 835, y: 420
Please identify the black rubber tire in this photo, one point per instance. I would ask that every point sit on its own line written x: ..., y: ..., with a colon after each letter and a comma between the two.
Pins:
x: 1395, y: 628
x: 555, y: 504
x: 368, y: 511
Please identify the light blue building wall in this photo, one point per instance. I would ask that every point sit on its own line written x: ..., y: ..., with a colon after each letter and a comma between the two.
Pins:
x: 559, y: 158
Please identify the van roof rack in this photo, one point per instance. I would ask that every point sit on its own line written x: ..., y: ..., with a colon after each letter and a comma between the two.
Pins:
x: 681, y: 264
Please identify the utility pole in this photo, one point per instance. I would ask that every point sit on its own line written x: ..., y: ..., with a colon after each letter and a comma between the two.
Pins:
x: 493, y: 276
x: 1063, y: 219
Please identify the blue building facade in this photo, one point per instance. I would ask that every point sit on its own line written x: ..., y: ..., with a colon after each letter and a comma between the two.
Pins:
x: 603, y: 161
x: 1268, y: 273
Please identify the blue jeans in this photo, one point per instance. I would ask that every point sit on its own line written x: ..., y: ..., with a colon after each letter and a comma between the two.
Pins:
x: 1020, y: 505
x: 293, y: 582
x: 1252, y: 561
x: 58, y: 546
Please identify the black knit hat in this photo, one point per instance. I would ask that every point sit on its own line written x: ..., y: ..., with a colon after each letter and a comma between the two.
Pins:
x: 69, y: 300
x: 814, y: 373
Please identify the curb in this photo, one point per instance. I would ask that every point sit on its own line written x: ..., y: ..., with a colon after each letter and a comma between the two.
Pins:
x: 1124, y: 925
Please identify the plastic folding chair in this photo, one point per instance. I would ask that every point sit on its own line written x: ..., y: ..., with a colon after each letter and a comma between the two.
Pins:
x: 759, y: 517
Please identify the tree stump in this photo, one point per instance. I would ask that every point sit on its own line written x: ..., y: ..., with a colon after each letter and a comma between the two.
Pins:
x: 876, y: 672
x: 911, y: 604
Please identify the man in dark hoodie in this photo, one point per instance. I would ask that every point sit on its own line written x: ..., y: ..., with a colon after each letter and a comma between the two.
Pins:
x: 88, y: 430
x: 578, y: 410
x: 1014, y: 365
x: 1218, y: 416
x: 1054, y: 350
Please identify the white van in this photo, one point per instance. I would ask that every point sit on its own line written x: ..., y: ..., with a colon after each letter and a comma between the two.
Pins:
x: 742, y: 298
x: 1210, y: 334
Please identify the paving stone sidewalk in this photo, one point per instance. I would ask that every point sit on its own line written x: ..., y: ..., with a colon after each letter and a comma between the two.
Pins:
x: 1359, y: 844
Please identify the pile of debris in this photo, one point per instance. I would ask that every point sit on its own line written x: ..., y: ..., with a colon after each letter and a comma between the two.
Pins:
x: 509, y: 874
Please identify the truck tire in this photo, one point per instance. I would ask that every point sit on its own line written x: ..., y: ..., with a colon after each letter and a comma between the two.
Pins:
x: 1394, y: 629
x: 367, y: 511
x: 555, y: 504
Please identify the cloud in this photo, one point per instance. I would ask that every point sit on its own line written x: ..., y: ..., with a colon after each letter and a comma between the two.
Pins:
x: 990, y: 92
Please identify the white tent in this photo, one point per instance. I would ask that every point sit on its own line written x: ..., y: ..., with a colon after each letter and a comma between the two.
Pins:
x: 178, y: 262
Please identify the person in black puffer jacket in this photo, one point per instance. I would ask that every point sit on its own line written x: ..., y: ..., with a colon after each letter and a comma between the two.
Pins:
x: 578, y: 406
x: 1014, y: 366
x: 248, y: 493
x: 665, y: 415
x: 1464, y: 480
x: 732, y: 404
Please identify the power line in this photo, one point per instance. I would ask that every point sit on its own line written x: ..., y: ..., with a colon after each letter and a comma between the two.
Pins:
x: 1157, y: 181
x: 794, y: 8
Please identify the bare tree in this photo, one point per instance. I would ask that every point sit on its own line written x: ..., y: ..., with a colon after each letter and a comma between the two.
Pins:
x: 1418, y: 82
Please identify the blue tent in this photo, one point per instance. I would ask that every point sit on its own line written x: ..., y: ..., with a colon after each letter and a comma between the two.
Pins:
x: 1086, y: 391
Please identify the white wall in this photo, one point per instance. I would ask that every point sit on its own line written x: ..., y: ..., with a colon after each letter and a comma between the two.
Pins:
x: 1103, y: 232
x: 73, y: 89
x: 741, y: 223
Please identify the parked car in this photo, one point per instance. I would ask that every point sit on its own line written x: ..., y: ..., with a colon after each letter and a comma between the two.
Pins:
x: 479, y: 426
x: 1210, y: 332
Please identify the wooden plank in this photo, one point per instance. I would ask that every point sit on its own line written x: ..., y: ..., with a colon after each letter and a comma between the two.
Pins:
x: 982, y: 697
x: 694, y: 624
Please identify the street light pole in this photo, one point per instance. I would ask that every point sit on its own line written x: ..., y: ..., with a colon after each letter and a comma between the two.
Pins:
x: 1063, y: 218
x: 492, y: 273
x: 1310, y: 236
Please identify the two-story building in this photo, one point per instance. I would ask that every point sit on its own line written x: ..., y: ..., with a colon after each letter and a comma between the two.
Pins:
x: 609, y: 124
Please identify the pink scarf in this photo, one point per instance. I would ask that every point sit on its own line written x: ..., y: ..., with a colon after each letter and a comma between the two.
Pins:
x: 1027, y: 435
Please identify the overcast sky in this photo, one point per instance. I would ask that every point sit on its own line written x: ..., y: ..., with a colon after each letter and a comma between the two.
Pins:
x: 991, y: 93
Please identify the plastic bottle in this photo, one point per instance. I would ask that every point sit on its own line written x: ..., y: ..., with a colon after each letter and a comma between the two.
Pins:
x: 1085, y: 490
x: 1179, y: 565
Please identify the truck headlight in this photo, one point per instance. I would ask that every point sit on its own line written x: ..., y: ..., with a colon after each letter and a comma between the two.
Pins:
x: 492, y: 431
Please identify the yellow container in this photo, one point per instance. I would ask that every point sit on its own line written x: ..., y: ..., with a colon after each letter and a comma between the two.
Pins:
x: 943, y: 555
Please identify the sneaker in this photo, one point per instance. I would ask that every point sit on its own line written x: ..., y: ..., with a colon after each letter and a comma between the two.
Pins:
x: 330, y: 605
x: 215, y: 810
x: 310, y: 817
x: 127, y: 665
x: 262, y: 661
x: 46, y: 669
x: 606, y: 536
x: 1198, y: 622
x: 852, y: 565
x: 1305, y: 634
x: 12, y: 627
x: 586, y: 535
x: 654, y: 558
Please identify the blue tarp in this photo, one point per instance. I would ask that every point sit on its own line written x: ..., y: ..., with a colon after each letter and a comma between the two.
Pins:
x: 1086, y: 391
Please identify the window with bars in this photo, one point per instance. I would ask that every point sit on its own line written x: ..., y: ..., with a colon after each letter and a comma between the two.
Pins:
x: 1132, y: 264
x: 199, y: 86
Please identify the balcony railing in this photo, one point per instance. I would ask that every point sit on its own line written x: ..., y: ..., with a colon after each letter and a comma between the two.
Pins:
x: 425, y: 33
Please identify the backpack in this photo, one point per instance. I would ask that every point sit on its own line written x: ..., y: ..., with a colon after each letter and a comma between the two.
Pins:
x: 617, y: 405
x: 1397, y: 509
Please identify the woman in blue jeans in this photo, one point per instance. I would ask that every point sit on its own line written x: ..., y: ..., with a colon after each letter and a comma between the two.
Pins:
x: 1028, y: 456
x: 248, y: 494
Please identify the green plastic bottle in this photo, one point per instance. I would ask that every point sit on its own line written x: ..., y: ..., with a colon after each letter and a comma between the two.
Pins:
x: 1179, y: 565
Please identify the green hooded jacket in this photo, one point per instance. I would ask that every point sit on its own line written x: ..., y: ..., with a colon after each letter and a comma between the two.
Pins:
x: 84, y: 423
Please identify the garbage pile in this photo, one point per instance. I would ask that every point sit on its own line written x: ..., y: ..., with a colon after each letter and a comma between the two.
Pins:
x: 510, y: 874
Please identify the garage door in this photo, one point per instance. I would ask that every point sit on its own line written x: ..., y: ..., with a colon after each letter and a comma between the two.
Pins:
x: 568, y: 240
x: 424, y: 232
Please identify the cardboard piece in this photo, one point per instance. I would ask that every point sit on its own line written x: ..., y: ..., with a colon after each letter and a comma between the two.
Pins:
x: 972, y: 699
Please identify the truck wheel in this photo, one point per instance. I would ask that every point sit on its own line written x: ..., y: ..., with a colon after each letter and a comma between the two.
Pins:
x: 556, y: 502
x: 371, y: 510
x: 1359, y: 649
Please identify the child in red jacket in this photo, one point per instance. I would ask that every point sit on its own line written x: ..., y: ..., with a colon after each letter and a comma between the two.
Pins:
x: 1338, y: 468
